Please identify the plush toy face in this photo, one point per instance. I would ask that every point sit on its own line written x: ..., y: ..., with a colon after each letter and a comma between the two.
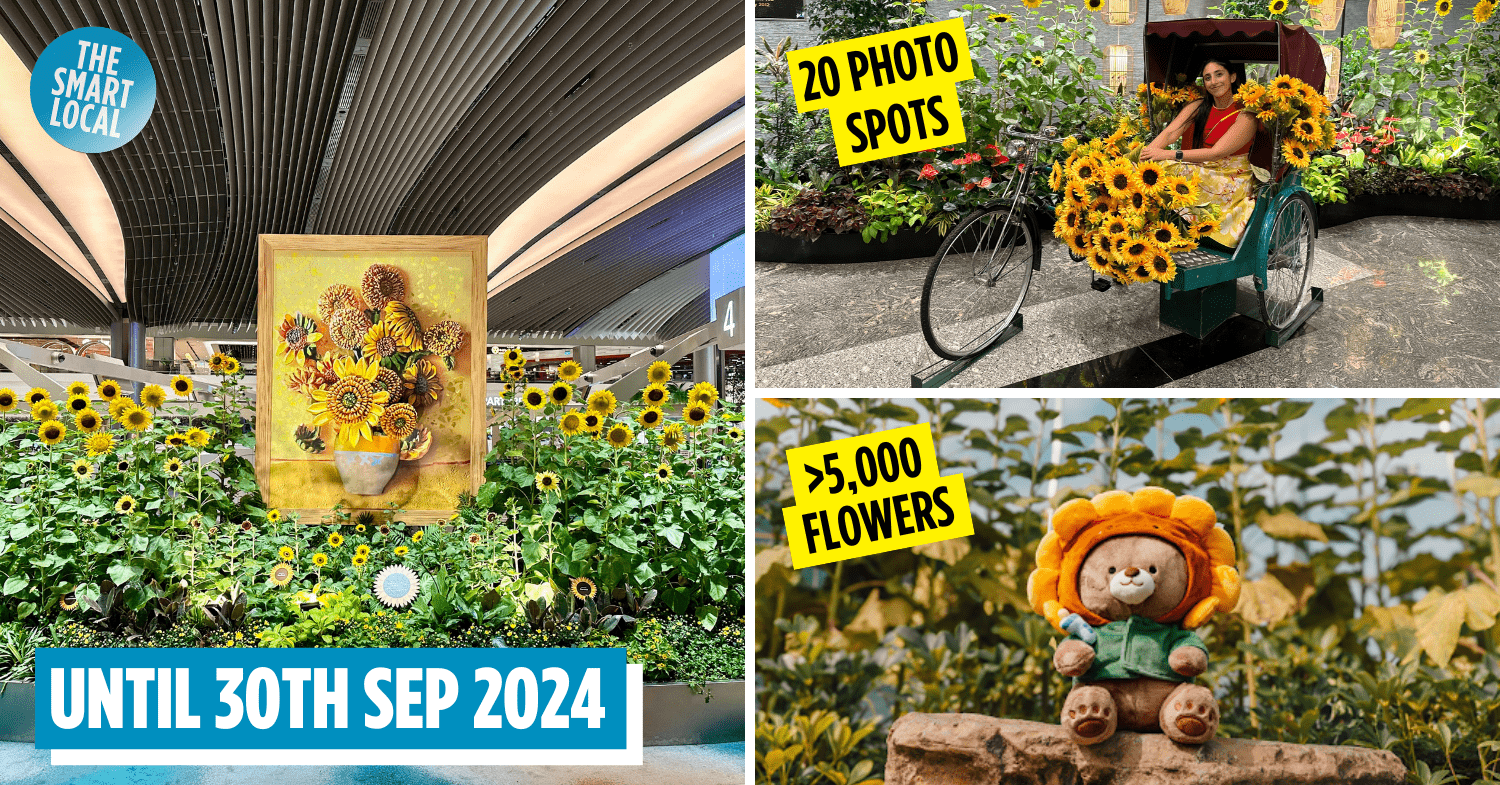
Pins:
x: 1133, y: 575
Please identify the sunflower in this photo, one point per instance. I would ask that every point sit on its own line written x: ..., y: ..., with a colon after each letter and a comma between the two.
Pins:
x: 347, y: 329
x: 1421, y: 56
x: 655, y: 394
x: 1205, y: 227
x: 663, y: 472
x: 359, y: 560
x: 695, y: 414
x: 1136, y: 253
x: 703, y: 393
x: 1184, y: 191
x: 649, y: 418
x: 338, y: 297
x: 1093, y: 5
x: 475, y: 539
x: 1098, y: 259
x: 286, y: 553
x: 584, y: 589
x: 592, y: 422
x: 619, y: 435
x: 1296, y: 154
x: 109, y: 389
x: 515, y: 373
x: 1483, y: 11
x: 274, y: 516
x: 182, y: 385
x: 99, y: 443
x: 362, y: 549
x: 351, y: 404
x: 78, y: 388
x: 418, y: 536
x: 1085, y: 170
x: 660, y: 372
x: 123, y: 466
x: 77, y: 404
x: 82, y: 469
x: 1140, y: 273
x: 126, y: 505
x: 444, y: 339
x: 560, y: 393
x: 231, y: 366
x: 67, y: 602
x: 153, y: 396
x: 1000, y: 18
x: 1120, y: 179
x: 569, y: 371
x: 1307, y: 131
x: 736, y: 434
x: 1037, y: 61
x: 135, y: 419
x: 1162, y: 267
x: 534, y: 398
x: 1444, y: 7
x: 7, y: 399
x: 216, y: 362
x: 422, y: 383
x: 400, y: 550
x: 175, y: 440
x: 671, y: 436
x: 335, y: 540
x: 514, y: 356
x: 1116, y: 225
x: 1152, y: 177
x: 118, y: 406
x: 381, y: 284
x: 379, y: 342
x: 43, y: 410
x: 320, y: 559
x: 1277, y: 6
x: 547, y: 482
x: 1165, y: 234
x: 570, y: 424
x: 1079, y: 244
x: 1076, y: 193
x: 197, y: 437
x: 173, y: 467
x: 299, y: 339
x: 399, y: 420
x: 602, y: 402
x: 281, y: 574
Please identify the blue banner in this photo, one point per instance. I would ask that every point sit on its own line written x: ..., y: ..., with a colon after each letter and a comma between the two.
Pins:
x: 338, y: 699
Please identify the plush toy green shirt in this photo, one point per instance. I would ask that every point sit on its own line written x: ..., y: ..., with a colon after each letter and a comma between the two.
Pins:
x: 1138, y: 647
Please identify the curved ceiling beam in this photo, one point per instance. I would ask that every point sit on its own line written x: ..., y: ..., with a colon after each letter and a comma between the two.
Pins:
x: 24, y: 211
x: 69, y: 180
x: 646, y: 135
x: 38, y: 291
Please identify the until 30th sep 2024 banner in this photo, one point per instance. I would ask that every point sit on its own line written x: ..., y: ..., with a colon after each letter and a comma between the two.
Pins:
x: 889, y: 93
x: 871, y: 494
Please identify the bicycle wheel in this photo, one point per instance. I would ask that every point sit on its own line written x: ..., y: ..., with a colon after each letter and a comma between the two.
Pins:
x: 978, y: 281
x: 1289, y: 261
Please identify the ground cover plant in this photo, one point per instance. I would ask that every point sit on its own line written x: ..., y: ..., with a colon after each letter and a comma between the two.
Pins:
x: 600, y: 523
x: 1368, y: 532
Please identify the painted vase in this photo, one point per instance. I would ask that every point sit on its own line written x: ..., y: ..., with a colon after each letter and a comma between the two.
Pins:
x: 369, y: 465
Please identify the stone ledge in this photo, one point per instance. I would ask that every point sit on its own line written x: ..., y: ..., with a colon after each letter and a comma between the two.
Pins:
x: 960, y: 749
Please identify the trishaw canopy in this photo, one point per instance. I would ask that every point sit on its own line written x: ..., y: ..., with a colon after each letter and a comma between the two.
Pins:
x: 1180, y: 46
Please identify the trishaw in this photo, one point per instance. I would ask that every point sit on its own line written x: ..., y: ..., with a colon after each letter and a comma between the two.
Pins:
x: 972, y: 297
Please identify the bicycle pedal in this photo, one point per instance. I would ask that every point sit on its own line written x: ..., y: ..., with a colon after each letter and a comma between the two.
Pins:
x: 1100, y: 284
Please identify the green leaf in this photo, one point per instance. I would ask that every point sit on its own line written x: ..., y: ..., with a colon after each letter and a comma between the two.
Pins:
x: 14, y: 584
x: 1483, y: 486
x: 123, y: 573
x: 707, y: 615
x: 673, y: 535
x: 1289, y: 526
x: 1439, y: 617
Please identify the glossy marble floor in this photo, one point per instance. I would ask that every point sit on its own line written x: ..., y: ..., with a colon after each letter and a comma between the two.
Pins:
x: 1409, y: 302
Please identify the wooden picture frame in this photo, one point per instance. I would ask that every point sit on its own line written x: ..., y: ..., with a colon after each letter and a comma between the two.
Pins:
x: 444, y: 282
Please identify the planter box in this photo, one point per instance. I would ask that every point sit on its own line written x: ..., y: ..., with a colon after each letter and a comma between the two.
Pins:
x: 845, y: 248
x: 1408, y: 204
x: 18, y: 711
x: 673, y: 714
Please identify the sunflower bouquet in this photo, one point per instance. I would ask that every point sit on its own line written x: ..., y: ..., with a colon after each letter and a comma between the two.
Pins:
x: 1160, y: 103
x: 1294, y: 111
x: 1123, y: 216
x: 366, y: 365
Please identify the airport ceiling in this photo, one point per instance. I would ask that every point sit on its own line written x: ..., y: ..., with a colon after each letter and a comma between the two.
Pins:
x: 387, y: 117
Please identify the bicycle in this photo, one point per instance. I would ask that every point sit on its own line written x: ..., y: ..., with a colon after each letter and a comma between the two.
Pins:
x: 979, y: 272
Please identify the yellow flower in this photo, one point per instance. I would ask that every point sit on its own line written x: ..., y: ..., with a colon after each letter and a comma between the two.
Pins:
x: 703, y: 393
x: 1421, y: 56
x: 569, y: 371
x: 380, y: 342
x: 1277, y: 6
x: 560, y: 393
x: 695, y: 414
x: 663, y: 472
x: 584, y: 589
x: 197, y: 437
x: 602, y: 402
x: 100, y: 443
x: 660, y: 372
x: 417, y: 537
x: 592, y: 422
x: 399, y: 420
x: 656, y: 394
x: 421, y: 382
x: 1184, y: 192
x: 281, y: 574
x: 1038, y: 61
x: 274, y: 516
x: 514, y: 356
x: 182, y: 385
x: 44, y: 411
x: 1162, y: 267
x: 126, y: 505
x: 78, y: 388
x: 286, y: 553
x: 570, y: 423
x: 619, y: 435
x: 88, y: 420
x: 231, y: 366
x: 1153, y: 178
x: 534, y: 398
x: 109, y: 389
x: 335, y: 540
x: 402, y: 323
x: 1296, y: 154
x: 649, y: 418
x: 82, y: 469
x: 319, y: 559
x: 173, y: 467
x: 153, y: 396
x: 400, y: 550
x: 547, y: 482
x: 1000, y: 18
x: 135, y: 419
x: 359, y: 559
x: 78, y: 403
x: 1120, y: 179
x: 1483, y: 11
x: 1093, y: 5
x: 351, y: 403
x: 7, y: 399
x: 671, y: 436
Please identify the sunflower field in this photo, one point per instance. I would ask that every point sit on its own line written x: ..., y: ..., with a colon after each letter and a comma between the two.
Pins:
x: 1367, y: 533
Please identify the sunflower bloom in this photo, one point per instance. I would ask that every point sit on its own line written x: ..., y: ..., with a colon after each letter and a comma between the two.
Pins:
x: 182, y: 386
x: 534, y: 398
x: 299, y: 339
x: 320, y: 559
x: 602, y: 402
x: 671, y: 437
x: 547, y: 482
x: 422, y: 383
x: 649, y: 418
x: 1162, y: 267
x: 78, y: 403
x: 399, y: 420
x: 335, y: 540
x: 660, y: 372
x: 82, y: 469
x: 380, y: 342
x: 703, y: 393
x: 592, y: 422
x: 109, y: 389
x: 1296, y: 154
x: 281, y: 574
x: 569, y: 371
x: 173, y: 467
x: 351, y: 404
x: 663, y: 472
x: 584, y: 589
x: 619, y: 435
x: 560, y: 393
x: 44, y: 411
x: 99, y: 443
x: 135, y: 419
x: 197, y: 437
x: 570, y: 424
x: 514, y: 356
x: 286, y: 553
x: 153, y: 396
x: 7, y: 399
x: 400, y: 550
x: 695, y: 414
x: 126, y: 505
x: 655, y: 394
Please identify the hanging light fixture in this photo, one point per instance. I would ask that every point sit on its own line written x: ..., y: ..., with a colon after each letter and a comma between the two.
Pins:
x: 1117, y: 65
x: 1327, y: 14
x: 1175, y: 7
x: 1119, y: 12
x: 1385, y: 22
x: 1332, y: 57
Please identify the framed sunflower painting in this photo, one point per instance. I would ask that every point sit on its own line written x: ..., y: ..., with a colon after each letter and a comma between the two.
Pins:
x: 370, y: 383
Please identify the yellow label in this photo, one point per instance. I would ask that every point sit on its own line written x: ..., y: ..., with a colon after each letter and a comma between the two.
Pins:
x: 890, y: 93
x: 871, y: 494
x: 912, y: 62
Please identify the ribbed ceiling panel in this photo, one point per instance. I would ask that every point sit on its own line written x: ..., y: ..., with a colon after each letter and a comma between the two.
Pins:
x: 33, y: 286
x: 281, y: 68
x: 640, y: 314
x: 426, y: 65
x: 594, y: 65
x: 561, y: 295
x: 167, y: 184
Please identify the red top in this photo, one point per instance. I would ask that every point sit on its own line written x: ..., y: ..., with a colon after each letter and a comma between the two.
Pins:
x: 1219, y: 122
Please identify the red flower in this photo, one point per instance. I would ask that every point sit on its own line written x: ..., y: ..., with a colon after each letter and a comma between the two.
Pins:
x: 968, y: 186
x: 961, y: 161
x: 1347, y: 114
x: 985, y: 183
x: 1359, y: 138
x: 1002, y: 158
x: 929, y: 172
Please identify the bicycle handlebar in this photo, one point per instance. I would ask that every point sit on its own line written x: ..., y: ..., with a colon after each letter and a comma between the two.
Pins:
x: 1016, y: 132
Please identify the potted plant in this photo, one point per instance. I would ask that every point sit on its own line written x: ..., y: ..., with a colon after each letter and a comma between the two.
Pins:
x: 18, y: 645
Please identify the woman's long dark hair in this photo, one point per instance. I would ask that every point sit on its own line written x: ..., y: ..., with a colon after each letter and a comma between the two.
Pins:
x: 1200, y: 117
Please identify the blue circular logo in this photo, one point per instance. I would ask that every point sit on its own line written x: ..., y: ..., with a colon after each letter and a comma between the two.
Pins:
x: 93, y: 89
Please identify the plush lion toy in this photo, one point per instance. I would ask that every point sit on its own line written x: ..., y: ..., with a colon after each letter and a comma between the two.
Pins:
x: 1128, y: 576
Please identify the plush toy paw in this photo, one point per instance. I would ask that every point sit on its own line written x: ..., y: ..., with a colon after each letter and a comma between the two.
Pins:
x: 1089, y: 714
x: 1073, y: 657
x: 1190, y: 715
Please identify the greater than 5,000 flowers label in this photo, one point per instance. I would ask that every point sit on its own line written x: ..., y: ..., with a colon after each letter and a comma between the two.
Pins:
x: 871, y: 494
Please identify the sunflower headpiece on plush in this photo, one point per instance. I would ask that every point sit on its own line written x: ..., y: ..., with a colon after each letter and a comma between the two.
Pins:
x: 1184, y: 521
